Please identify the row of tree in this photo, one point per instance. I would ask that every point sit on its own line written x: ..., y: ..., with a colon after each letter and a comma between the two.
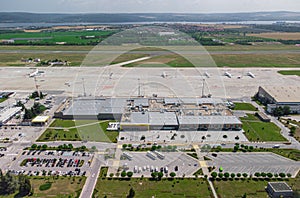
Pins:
x: 257, y: 174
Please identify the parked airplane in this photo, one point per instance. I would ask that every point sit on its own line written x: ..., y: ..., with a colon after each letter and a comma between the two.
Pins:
x: 207, y: 74
x: 251, y: 74
x: 228, y: 74
x: 164, y: 75
x: 35, y: 73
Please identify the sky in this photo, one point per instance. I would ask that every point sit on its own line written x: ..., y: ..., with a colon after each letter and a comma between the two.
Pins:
x: 147, y: 6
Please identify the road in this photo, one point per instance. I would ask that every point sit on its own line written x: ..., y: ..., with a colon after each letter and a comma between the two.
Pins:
x: 91, y: 181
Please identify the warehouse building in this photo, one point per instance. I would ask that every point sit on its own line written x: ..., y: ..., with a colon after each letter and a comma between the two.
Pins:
x: 93, y: 109
x: 142, y: 121
x: 203, y: 123
x: 279, y: 189
x: 141, y: 114
x: 282, y: 96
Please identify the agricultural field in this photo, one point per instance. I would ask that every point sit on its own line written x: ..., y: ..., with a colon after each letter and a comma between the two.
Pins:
x: 244, y: 106
x: 278, y: 35
x: 250, y: 188
x: 54, y: 37
x: 256, y: 130
x: 68, y: 130
x: 290, y: 72
x: 148, y: 188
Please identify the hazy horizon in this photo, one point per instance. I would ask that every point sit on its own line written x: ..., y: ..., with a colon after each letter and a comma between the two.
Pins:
x: 148, y: 6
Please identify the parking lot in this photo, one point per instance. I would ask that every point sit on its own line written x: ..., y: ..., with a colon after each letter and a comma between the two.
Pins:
x: 254, y: 162
x: 143, y: 164
x: 52, y: 163
x: 183, y: 136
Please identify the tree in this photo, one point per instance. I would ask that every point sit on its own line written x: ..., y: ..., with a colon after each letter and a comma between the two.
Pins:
x: 123, y: 174
x: 25, y: 186
x: 124, y: 146
x: 263, y: 174
x: 236, y: 148
x: 34, y: 146
x: 282, y: 175
x: 8, y: 184
x: 172, y: 174
x: 129, y: 174
x: 131, y: 193
x: 70, y: 146
x: 226, y: 175
x: 270, y: 175
x: 245, y: 175
x: 289, y: 175
x: 111, y: 175
x: 238, y: 174
x: 153, y: 148
x: 232, y: 175
x: 160, y: 175
x: 44, y: 146
x: 154, y: 175
x: 214, y: 174
x: 220, y: 175
x: 257, y: 174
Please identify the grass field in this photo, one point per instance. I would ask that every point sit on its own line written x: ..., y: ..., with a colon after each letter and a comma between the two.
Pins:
x: 172, y: 60
x: 257, y: 60
x: 290, y: 72
x: 89, y: 130
x: 252, y: 189
x: 244, y: 106
x: 290, y: 124
x: 146, y: 188
x: 14, y: 59
x: 256, y: 130
x: 60, y: 187
x: 208, y: 48
x: 279, y: 35
x: 2, y: 99
x: 51, y: 37
x: 127, y: 57
x: 62, y: 123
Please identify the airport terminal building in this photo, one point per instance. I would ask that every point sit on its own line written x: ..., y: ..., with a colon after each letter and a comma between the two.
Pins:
x: 279, y: 97
x: 142, y: 114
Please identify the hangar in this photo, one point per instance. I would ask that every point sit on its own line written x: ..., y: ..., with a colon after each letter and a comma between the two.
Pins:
x: 279, y: 96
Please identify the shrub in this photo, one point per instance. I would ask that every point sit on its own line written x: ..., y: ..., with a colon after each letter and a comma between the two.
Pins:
x: 172, y: 174
x: 45, y: 186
